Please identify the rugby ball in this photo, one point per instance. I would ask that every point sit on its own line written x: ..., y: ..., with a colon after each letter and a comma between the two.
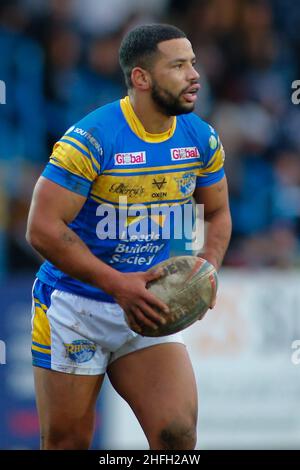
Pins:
x: 188, y: 287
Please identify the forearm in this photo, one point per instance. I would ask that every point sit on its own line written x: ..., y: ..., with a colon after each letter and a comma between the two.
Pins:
x: 62, y: 247
x: 217, y: 236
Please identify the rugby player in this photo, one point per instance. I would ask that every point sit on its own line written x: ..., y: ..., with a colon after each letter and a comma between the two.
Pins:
x: 146, y: 149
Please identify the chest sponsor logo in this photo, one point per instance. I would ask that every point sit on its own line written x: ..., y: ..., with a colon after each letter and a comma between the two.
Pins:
x: 184, y: 153
x: 159, y: 183
x: 186, y: 184
x: 126, y: 190
x: 130, y: 158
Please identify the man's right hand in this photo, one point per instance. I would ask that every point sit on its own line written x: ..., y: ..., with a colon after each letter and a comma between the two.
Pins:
x: 140, y: 305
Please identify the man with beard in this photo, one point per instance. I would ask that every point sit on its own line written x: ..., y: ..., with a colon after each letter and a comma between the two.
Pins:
x: 146, y: 149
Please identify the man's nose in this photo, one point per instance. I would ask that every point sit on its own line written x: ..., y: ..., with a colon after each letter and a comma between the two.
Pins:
x: 193, y: 74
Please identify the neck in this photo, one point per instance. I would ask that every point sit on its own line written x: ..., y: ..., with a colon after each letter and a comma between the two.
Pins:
x: 154, y: 121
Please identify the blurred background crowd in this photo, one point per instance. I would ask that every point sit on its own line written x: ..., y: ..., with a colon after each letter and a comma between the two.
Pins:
x: 59, y: 60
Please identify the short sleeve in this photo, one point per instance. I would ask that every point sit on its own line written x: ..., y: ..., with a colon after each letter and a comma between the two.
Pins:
x: 75, y: 162
x: 212, y: 170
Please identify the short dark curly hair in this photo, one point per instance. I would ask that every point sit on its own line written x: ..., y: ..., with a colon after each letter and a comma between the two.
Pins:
x: 139, y: 46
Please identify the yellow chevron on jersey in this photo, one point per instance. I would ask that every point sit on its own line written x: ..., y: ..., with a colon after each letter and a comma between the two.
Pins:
x: 158, y: 219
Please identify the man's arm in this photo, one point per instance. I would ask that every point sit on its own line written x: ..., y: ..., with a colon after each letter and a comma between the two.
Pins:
x: 217, y: 214
x: 53, y: 208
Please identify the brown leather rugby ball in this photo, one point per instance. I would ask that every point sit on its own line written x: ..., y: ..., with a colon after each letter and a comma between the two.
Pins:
x: 188, y: 287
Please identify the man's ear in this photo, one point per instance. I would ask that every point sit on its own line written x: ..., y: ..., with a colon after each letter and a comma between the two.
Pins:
x: 140, y: 79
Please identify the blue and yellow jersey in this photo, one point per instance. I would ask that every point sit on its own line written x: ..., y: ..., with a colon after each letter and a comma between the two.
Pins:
x: 130, y: 179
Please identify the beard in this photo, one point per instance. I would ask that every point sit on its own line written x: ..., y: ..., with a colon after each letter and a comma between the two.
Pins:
x: 168, y: 103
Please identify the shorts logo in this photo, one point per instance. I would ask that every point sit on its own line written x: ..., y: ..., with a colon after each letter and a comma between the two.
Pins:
x: 184, y: 153
x: 131, y: 158
x: 80, y: 350
x: 186, y: 184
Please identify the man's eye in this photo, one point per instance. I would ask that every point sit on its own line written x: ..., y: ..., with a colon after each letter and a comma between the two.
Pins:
x: 178, y: 66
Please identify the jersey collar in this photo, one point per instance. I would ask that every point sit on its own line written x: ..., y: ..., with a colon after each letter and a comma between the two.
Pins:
x: 137, y: 127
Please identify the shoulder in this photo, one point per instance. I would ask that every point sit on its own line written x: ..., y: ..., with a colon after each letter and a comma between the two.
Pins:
x: 92, y: 134
x: 103, y: 121
x: 97, y: 130
x: 203, y: 134
x: 207, y: 141
x: 201, y: 129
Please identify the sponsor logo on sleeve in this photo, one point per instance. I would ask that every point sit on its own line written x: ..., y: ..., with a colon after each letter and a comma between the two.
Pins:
x: 213, y: 142
x: 86, y: 135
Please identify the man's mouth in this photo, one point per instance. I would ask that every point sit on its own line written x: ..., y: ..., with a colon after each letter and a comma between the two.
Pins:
x: 190, y: 94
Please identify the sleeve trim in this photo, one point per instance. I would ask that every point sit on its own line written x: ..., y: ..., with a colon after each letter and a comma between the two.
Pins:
x: 76, y: 146
x: 212, y: 178
x: 67, y: 180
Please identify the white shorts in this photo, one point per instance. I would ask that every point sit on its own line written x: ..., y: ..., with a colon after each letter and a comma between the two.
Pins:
x: 82, y: 336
